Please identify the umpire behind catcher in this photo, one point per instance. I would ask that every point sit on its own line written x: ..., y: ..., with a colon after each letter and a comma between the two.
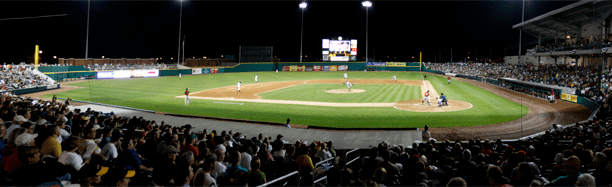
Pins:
x: 444, y: 101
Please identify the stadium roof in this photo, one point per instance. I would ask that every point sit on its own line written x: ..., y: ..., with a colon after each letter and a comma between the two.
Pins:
x: 585, y: 14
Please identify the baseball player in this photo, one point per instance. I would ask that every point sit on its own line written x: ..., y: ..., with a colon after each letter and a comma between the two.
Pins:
x: 276, y: 71
x: 551, y: 98
x: 365, y: 70
x: 348, y: 84
x: 186, y: 96
x: 255, y: 78
x: 180, y: 76
x: 426, y: 98
x: 425, y: 77
x: 345, y: 76
x: 239, y: 83
x: 448, y: 80
x: 444, y: 101
x: 439, y: 101
x: 394, y: 78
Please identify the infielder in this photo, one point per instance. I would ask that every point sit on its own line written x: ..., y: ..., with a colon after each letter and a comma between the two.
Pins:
x: 426, y: 98
x: 186, y: 96
x: 239, y: 83
x: 394, y: 78
x: 425, y: 77
x: 276, y: 71
x: 365, y: 70
x: 348, y: 84
x: 255, y: 78
x: 345, y: 76
x: 180, y: 76
x: 448, y: 80
x: 551, y: 98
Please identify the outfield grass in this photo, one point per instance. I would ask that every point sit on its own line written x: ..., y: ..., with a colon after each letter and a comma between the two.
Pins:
x: 375, y: 93
x: 158, y: 94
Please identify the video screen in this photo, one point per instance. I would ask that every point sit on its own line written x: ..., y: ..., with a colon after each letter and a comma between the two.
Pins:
x: 339, y: 45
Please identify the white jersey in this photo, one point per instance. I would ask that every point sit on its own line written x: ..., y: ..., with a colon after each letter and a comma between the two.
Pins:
x: 276, y: 70
x: 239, y: 86
x: 394, y: 78
x: 348, y: 84
x: 180, y: 75
x: 255, y: 78
x: 345, y: 76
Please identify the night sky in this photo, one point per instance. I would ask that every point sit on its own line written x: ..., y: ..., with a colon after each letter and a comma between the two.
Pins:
x: 149, y: 29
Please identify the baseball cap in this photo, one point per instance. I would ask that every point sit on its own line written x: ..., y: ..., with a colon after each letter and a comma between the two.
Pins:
x: 91, y: 170
x: 96, y: 127
x: 41, y: 122
x: 279, y: 136
x: 573, y: 162
x: 25, y: 138
x: 20, y: 118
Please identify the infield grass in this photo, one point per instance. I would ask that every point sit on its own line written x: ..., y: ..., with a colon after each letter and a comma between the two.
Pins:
x: 158, y: 94
x: 374, y: 93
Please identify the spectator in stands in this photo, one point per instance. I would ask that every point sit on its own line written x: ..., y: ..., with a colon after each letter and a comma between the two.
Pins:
x: 150, y: 145
x: 13, y: 161
x: 33, y: 171
x: 3, y: 141
x: 51, y: 147
x: 165, y: 169
x: 601, y: 174
x: 369, y: 164
x: 391, y: 169
x: 304, y: 162
x: 91, y: 174
x: 425, y: 134
x: 324, y: 153
x: 189, y: 146
x: 287, y: 124
x: 87, y: 146
x: 457, y: 181
x: 586, y: 180
x: 69, y: 156
x: 16, y: 123
x: 130, y: 158
x: 106, y: 136
x: 257, y: 176
x: 572, y: 168
x: 246, y: 157
x: 109, y: 151
x: 219, y: 168
x: 234, y: 170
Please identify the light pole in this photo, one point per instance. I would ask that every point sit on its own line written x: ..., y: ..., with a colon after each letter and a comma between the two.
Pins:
x: 302, y: 6
x: 179, y: 40
x: 87, y: 37
x: 367, y: 4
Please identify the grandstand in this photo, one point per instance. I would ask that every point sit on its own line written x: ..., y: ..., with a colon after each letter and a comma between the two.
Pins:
x: 85, y: 143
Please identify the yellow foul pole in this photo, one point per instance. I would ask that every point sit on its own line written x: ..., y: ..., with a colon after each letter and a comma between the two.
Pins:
x: 36, y: 57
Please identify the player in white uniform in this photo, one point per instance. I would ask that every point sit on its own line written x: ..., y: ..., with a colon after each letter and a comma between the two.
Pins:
x: 365, y: 70
x: 180, y: 76
x: 551, y: 98
x: 277, y: 71
x: 348, y: 84
x: 255, y: 78
x: 394, y: 78
x: 426, y: 98
x: 186, y: 96
x: 239, y: 83
x: 345, y: 76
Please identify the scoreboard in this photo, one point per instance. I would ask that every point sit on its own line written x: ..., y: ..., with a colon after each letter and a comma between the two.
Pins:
x: 339, y: 50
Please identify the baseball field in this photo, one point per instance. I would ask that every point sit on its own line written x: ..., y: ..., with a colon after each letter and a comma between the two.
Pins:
x: 309, y: 98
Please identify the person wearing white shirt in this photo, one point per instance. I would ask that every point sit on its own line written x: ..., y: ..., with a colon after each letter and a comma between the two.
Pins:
x: 245, y: 162
x: 324, y: 153
x: 110, y: 149
x: 238, y: 85
x: 219, y: 169
x: 203, y: 175
x: 69, y: 156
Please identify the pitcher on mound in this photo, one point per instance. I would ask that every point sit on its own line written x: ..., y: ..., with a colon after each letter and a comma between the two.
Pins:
x: 348, y: 84
x: 426, y: 98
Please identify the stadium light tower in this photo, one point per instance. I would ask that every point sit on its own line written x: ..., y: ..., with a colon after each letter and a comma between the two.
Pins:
x: 87, y: 37
x: 179, y: 40
x: 302, y: 6
x: 367, y: 4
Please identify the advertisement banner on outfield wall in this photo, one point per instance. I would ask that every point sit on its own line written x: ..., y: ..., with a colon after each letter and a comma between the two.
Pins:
x: 450, y: 74
x: 308, y: 68
x: 145, y: 73
x: 292, y: 68
x: 205, y: 70
x: 285, y: 68
x: 316, y: 68
x: 214, y: 70
x: 333, y: 68
x: 342, y: 67
x: 196, y: 71
x: 105, y: 74
x: 300, y: 68
x: 569, y: 97
x: 396, y: 64
x: 325, y: 68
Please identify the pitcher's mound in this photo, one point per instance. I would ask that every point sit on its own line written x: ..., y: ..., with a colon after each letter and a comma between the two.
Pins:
x: 344, y: 91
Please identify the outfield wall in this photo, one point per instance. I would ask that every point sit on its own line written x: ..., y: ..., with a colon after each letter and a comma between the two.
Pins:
x: 45, y: 69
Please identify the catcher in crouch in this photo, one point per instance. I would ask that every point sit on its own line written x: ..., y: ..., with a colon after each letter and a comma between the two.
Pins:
x: 348, y: 84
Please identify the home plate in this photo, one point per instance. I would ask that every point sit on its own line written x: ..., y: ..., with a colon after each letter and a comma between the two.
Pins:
x: 232, y: 98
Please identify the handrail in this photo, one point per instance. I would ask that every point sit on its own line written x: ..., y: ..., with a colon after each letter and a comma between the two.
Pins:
x: 346, y: 157
x: 315, y: 167
x: 282, y: 178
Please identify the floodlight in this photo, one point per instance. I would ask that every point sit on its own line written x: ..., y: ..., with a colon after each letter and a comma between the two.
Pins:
x: 367, y: 4
x: 303, y: 5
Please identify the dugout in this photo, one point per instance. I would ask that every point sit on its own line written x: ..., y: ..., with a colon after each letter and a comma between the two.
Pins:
x: 531, y: 88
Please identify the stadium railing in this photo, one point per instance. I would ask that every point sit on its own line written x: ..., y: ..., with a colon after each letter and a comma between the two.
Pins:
x: 326, y: 161
x: 353, y: 160
x: 283, y: 179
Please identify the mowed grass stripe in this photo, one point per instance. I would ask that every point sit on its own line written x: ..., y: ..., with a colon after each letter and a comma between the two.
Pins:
x: 395, y: 88
x: 379, y: 97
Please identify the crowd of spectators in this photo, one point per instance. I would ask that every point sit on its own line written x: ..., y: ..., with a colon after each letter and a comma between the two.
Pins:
x: 112, y: 67
x: 14, y: 77
x: 569, y: 45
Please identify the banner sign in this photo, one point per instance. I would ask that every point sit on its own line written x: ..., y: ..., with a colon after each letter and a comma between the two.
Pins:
x: 308, y: 68
x: 196, y: 71
x: 300, y: 68
x: 450, y: 74
x: 292, y: 68
x: 376, y: 64
x: 333, y: 68
x: 214, y: 70
x: 145, y: 73
x: 285, y: 68
x: 316, y: 68
x: 105, y: 74
x: 206, y: 70
x: 569, y: 97
x: 342, y: 67
x: 325, y: 68
x: 396, y: 64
